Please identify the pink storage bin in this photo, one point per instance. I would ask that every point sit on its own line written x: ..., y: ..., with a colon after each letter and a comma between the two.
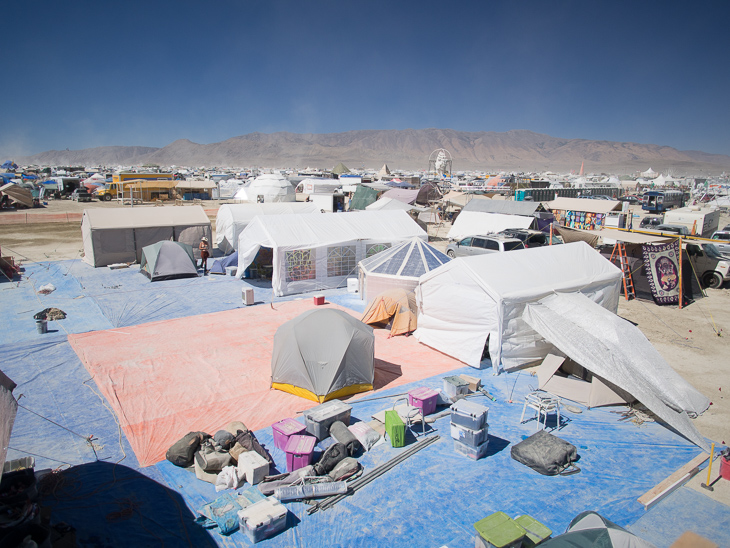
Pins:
x: 299, y: 450
x: 284, y: 429
x: 424, y: 398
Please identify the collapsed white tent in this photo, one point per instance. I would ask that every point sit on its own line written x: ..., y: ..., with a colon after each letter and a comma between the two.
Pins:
x: 233, y: 218
x: 312, y: 252
x: 475, y: 223
x: 269, y: 187
x: 468, y: 299
x: 617, y: 351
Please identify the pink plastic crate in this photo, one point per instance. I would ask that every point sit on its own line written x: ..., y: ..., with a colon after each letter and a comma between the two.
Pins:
x: 284, y: 429
x: 424, y: 398
x: 299, y: 450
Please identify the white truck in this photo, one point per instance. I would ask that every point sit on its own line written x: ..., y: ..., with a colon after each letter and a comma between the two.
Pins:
x: 711, y: 267
x: 703, y: 221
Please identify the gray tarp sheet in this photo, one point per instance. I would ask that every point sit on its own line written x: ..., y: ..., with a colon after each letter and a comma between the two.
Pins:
x: 614, y: 349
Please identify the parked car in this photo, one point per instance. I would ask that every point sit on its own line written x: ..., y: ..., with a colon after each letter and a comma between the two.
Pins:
x: 531, y: 238
x: 81, y: 195
x: 723, y: 241
x: 631, y: 199
x: 679, y: 230
x: 650, y: 222
x: 478, y: 245
x: 712, y: 268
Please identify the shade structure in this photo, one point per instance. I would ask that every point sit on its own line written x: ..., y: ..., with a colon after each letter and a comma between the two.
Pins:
x: 397, y: 308
x: 168, y: 260
x: 8, y: 410
x: 323, y: 354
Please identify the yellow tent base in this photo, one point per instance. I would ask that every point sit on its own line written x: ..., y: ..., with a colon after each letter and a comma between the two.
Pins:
x: 304, y: 393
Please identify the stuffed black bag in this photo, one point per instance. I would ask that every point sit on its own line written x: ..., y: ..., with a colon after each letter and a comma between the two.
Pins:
x: 547, y: 454
x: 182, y: 452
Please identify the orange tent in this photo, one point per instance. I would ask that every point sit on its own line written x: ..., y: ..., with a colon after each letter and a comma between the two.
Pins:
x: 396, y: 307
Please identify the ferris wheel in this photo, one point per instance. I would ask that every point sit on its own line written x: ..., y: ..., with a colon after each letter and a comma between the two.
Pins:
x: 439, y: 163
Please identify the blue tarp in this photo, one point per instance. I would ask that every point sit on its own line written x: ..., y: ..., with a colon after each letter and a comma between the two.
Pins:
x: 432, y: 499
x: 219, y: 266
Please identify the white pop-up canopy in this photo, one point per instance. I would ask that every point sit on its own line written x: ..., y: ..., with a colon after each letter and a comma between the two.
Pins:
x: 312, y: 252
x: 470, y: 299
x: 233, y: 218
x: 476, y: 223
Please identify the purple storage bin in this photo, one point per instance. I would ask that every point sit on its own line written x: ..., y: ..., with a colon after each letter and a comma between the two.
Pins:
x: 423, y: 398
x: 299, y: 450
x: 284, y: 429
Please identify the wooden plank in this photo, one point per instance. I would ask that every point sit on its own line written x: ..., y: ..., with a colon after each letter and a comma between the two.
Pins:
x: 677, y: 479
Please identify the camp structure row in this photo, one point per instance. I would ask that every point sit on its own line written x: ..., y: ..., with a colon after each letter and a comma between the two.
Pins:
x: 118, y: 235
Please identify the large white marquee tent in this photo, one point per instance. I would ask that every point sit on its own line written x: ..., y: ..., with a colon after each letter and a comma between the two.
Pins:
x: 313, y: 252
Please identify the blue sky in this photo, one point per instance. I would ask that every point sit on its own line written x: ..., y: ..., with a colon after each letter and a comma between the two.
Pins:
x: 82, y: 74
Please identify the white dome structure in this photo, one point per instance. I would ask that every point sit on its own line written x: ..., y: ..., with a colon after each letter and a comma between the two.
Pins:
x: 268, y: 188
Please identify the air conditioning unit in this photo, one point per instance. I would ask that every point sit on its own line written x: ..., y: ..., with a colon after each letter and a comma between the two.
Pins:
x: 247, y: 294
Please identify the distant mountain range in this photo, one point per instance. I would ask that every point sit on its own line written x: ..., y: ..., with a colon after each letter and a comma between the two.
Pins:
x: 517, y: 150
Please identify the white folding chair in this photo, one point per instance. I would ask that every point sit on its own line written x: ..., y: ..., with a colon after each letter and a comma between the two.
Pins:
x: 543, y: 403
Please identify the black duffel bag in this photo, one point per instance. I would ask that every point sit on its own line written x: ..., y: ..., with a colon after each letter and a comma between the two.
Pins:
x: 182, y: 452
x: 547, y: 454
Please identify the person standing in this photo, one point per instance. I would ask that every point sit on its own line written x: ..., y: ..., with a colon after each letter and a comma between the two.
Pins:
x: 204, y: 254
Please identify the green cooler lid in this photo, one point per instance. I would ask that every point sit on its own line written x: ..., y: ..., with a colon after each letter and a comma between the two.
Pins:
x: 536, y: 531
x: 499, y: 529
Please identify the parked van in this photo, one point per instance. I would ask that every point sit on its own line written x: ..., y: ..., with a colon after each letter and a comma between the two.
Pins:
x: 712, y: 268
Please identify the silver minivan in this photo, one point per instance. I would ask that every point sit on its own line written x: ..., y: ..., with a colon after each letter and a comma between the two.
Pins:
x: 478, y: 245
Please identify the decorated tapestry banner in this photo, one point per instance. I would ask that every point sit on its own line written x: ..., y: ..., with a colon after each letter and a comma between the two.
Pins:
x: 662, y: 271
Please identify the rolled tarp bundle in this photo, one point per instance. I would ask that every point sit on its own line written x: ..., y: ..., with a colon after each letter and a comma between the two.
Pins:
x: 342, y: 435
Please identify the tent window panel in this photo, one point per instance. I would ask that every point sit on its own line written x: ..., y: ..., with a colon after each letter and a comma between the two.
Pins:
x: 300, y: 265
x: 341, y: 260
x: 373, y: 249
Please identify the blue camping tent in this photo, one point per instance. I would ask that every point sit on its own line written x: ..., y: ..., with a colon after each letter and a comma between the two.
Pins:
x: 219, y: 267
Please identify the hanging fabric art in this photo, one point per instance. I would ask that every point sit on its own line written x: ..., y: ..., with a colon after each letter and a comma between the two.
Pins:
x: 662, y: 267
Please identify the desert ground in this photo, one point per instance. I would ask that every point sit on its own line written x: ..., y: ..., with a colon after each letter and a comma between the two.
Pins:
x: 695, y: 340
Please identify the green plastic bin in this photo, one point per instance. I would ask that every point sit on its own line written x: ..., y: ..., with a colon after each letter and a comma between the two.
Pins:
x: 395, y: 428
x: 500, y: 531
x: 536, y: 531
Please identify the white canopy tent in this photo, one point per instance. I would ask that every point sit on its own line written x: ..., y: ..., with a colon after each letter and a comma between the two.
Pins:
x: 470, y: 300
x: 475, y: 223
x: 312, y: 252
x: 618, y: 352
x: 233, y: 218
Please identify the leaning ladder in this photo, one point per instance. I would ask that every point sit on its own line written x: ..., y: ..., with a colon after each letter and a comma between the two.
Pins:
x: 619, y: 251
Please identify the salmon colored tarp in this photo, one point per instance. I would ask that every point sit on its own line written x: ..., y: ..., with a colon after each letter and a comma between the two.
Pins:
x: 165, y: 379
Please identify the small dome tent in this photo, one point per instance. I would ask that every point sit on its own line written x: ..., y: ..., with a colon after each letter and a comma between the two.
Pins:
x: 398, y: 267
x: 167, y: 260
x: 323, y: 354
x: 395, y: 308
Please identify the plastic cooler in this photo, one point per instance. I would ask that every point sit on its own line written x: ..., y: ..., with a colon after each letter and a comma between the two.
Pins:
x: 498, y: 530
x: 318, y: 300
x: 474, y: 453
x: 263, y: 519
x: 319, y: 419
x: 469, y: 436
x: 395, y: 428
x: 423, y: 398
x: 253, y: 466
x: 284, y: 429
x: 455, y: 386
x: 299, y: 451
x: 469, y: 414
x: 535, y: 532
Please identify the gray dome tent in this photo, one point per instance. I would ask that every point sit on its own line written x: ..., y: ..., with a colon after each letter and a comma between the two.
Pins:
x: 323, y: 354
x: 399, y: 266
x: 167, y: 260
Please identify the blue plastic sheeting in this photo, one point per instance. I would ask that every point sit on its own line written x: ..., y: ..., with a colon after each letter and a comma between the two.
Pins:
x: 432, y: 499
x: 685, y: 510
